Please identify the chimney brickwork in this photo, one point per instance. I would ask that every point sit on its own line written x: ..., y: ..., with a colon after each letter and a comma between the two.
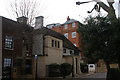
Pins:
x: 68, y: 18
x: 22, y: 20
x: 39, y: 22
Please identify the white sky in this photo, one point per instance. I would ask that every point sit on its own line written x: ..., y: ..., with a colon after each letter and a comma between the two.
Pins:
x: 56, y: 11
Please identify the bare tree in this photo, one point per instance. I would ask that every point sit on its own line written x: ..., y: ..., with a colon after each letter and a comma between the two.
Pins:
x: 26, y: 8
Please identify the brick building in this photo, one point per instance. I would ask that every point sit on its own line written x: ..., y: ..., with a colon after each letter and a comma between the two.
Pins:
x: 15, y: 48
x: 69, y: 30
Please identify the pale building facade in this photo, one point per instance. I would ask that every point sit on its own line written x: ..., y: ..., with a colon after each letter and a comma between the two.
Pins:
x: 54, y: 45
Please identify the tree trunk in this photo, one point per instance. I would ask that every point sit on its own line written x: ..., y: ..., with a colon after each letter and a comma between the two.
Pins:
x: 108, y: 69
x: 107, y: 65
x: 119, y: 65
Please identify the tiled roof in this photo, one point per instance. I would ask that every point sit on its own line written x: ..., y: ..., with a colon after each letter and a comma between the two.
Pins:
x: 47, y: 31
x: 53, y: 25
x: 70, y: 21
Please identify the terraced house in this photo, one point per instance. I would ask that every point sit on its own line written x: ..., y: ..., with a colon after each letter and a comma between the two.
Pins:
x: 16, y: 48
x: 25, y: 51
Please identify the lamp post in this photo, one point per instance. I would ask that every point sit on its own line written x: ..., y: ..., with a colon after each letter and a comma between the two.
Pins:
x: 36, y: 58
x: 99, y: 4
x: 72, y: 66
x: 96, y: 6
x: 72, y: 54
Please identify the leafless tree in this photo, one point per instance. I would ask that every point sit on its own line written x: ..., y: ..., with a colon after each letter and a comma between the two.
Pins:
x: 26, y: 8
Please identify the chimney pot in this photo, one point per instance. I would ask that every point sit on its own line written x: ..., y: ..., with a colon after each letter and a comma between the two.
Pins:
x: 22, y: 19
x: 68, y: 18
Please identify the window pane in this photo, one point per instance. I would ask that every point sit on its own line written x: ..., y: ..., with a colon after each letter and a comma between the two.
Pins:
x: 73, y: 24
x: 65, y: 26
x: 64, y: 50
x: 66, y: 35
x: 74, y: 44
x: 58, y: 44
x: 55, y: 43
x: 52, y: 43
x: 7, y: 62
x: 73, y: 34
x: 8, y: 42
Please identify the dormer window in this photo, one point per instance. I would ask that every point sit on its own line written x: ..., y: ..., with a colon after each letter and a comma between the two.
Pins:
x: 9, y: 42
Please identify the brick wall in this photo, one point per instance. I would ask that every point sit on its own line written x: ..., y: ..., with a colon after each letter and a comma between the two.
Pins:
x: 69, y: 30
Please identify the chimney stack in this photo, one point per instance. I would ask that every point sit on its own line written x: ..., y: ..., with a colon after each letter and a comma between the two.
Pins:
x: 39, y: 22
x: 68, y: 18
x: 22, y: 19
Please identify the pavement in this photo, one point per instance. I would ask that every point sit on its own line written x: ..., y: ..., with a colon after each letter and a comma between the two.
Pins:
x: 94, y: 75
x: 90, y: 76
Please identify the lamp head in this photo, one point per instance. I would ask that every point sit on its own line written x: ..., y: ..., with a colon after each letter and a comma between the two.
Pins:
x: 78, y: 3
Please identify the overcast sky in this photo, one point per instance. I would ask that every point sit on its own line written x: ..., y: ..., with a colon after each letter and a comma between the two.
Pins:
x: 56, y: 11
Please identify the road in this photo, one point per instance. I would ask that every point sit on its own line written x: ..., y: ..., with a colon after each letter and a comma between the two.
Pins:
x: 92, y: 76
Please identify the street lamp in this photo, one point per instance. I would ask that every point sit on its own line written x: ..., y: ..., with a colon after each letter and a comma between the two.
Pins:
x: 72, y: 54
x: 78, y: 3
x: 96, y: 6
x: 36, y: 58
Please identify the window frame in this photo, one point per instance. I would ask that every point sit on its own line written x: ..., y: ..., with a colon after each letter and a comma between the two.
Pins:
x: 9, y: 42
x: 73, y: 24
x: 75, y: 44
x: 64, y: 50
x: 74, y: 35
x: 66, y: 26
x: 55, y: 43
x: 66, y: 35
x: 58, y: 43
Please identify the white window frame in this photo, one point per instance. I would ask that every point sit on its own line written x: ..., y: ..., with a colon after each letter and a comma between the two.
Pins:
x: 66, y: 26
x: 73, y: 34
x: 7, y: 62
x: 66, y: 35
x: 9, y: 42
x: 75, y: 44
x: 73, y: 24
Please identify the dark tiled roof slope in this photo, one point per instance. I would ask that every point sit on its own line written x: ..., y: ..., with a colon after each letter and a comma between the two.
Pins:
x: 18, y: 25
x: 47, y: 31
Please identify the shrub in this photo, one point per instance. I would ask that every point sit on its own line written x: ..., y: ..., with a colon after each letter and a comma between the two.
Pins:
x: 113, y: 74
x: 84, y: 67
x: 66, y: 69
x: 54, y: 70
